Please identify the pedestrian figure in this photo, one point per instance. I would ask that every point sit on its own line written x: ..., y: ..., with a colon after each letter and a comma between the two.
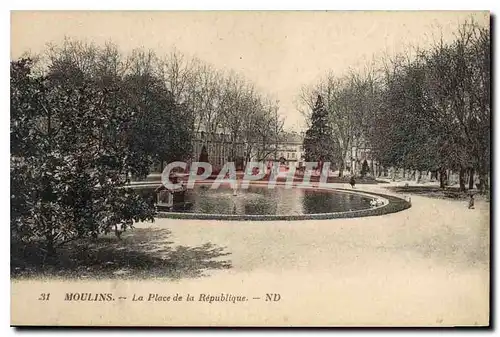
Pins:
x: 471, y: 201
x: 352, y: 182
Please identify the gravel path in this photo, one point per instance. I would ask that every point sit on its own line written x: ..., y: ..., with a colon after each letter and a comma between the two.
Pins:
x: 428, y: 265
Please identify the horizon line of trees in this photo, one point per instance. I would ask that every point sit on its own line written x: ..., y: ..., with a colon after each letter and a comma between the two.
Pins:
x: 426, y: 112
x: 214, y: 100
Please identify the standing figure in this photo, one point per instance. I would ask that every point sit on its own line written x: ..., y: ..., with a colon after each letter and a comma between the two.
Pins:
x: 471, y: 201
x: 352, y: 182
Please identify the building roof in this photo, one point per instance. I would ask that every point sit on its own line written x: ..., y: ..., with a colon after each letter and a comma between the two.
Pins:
x: 292, y: 137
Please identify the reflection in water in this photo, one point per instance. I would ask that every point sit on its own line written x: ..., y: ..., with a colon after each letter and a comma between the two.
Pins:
x: 319, y: 201
x: 259, y: 200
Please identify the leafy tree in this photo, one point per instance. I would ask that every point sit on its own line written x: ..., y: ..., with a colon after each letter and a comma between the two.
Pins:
x: 462, y: 98
x: 319, y: 141
x: 157, y: 116
x: 89, y: 116
x: 434, y: 111
x: 428, y: 111
x: 68, y: 159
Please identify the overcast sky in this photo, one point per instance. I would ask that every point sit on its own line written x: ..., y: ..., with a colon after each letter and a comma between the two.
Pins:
x: 278, y: 51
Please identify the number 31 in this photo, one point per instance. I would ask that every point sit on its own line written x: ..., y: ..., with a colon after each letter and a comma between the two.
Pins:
x: 44, y: 297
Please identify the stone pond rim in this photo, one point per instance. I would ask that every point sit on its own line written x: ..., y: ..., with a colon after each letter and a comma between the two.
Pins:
x: 394, y: 204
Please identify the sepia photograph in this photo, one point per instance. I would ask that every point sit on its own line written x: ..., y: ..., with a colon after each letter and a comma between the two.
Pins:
x: 250, y: 168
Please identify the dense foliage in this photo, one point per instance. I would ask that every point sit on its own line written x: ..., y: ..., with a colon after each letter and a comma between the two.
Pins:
x: 85, y: 119
x: 317, y: 141
x: 78, y: 130
x: 424, y: 112
x: 435, y: 109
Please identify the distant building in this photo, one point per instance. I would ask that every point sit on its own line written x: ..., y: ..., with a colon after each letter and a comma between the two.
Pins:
x: 289, y: 150
x: 219, y: 148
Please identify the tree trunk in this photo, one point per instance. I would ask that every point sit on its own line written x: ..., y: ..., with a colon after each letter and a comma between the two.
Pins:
x: 404, y: 172
x: 471, y: 178
x: 50, y: 255
x: 483, y: 182
x: 435, y: 175
x: 419, y: 176
x: 118, y: 233
x: 341, y: 169
x: 461, y: 179
x: 442, y: 178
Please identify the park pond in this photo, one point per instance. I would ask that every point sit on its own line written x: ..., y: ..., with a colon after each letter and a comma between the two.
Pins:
x: 279, y: 202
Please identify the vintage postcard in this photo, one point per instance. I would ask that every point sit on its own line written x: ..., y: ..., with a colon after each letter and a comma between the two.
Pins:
x: 250, y: 168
